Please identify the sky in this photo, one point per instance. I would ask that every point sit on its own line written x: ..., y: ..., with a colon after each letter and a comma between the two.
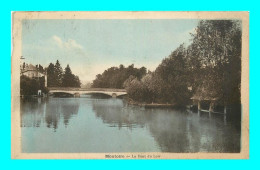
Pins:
x: 91, y: 46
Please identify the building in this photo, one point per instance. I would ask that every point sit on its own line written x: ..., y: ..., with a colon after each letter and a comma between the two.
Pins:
x: 33, y: 72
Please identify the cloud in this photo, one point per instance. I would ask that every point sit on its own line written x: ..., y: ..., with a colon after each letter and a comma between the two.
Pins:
x: 69, y: 44
x: 57, y: 40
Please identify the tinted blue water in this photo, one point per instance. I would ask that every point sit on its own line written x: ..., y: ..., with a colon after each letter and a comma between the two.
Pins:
x: 90, y: 124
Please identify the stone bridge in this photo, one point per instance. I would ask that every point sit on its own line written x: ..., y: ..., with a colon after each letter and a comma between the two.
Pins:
x: 76, y: 92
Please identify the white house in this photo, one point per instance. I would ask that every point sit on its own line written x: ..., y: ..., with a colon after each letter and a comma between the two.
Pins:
x: 32, y: 72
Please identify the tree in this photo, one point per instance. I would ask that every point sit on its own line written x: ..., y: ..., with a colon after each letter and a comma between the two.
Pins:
x: 135, y: 89
x: 115, y: 77
x: 69, y: 79
x: 77, y: 82
x: 30, y: 86
x: 217, y: 45
x: 39, y: 68
x: 51, y: 80
x: 155, y: 88
x: 209, y: 67
x: 173, y: 72
x: 58, y: 72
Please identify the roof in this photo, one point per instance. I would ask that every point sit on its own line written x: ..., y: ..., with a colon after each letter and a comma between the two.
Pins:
x: 31, y: 67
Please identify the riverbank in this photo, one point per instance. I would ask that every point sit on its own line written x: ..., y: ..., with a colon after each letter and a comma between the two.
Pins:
x: 150, y: 105
x: 34, y: 96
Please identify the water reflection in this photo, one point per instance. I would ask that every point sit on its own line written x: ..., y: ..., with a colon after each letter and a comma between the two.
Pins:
x: 174, y: 130
x: 32, y: 112
x: 183, y: 132
x: 115, y: 113
x: 170, y: 130
x: 39, y: 110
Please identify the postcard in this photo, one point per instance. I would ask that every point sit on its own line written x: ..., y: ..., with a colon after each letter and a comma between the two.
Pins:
x: 130, y: 85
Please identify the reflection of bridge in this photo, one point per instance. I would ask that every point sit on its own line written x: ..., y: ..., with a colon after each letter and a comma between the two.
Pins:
x: 78, y: 91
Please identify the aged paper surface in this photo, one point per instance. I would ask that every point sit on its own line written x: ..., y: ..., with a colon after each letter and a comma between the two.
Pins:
x: 18, y: 17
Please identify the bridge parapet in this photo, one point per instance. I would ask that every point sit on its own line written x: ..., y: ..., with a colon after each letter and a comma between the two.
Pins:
x: 86, y: 89
x: 79, y: 91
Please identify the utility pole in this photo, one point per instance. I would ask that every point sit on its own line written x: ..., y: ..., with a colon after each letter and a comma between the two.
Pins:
x: 21, y: 64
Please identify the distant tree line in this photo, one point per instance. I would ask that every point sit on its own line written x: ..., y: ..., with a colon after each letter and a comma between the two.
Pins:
x: 115, y: 77
x: 209, y: 68
x: 56, y: 77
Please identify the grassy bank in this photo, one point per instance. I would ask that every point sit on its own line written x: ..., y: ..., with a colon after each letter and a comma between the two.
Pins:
x: 150, y: 105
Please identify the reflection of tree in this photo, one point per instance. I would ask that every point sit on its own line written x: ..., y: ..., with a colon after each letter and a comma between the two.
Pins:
x: 167, y: 128
x: 31, y: 112
x: 69, y: 109
x: 52, y: 115
x: 162, y: 124
x: 60, y: 108
x: 34, y: 112
x: 177, y: 131
x: 112, y: 112
x: 173, y: 130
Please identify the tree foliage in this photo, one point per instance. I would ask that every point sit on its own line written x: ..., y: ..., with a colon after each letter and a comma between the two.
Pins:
x: 58, y: 73
x: 217, y: 45
x: 51, y: 81
x: 56, y: 77
x: 30, y: 86
x: 210, y: 67
x: 69, y: 79
x: 168, y: 84
x: 114, y: 77
x: 39, y: 68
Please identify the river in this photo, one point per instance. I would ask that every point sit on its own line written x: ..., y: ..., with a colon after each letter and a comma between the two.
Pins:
x: 99, y: 124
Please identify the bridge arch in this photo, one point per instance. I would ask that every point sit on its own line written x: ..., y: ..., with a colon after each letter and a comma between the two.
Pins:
x: 62, y: 94
x: 102, y: 93
x: 121, y: 95
x: 114, y: 95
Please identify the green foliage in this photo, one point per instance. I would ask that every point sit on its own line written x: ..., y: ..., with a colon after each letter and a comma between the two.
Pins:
x: 168, y: 84
x: 58, y: 73
x: 208, y: 68
x: 149, y: 89
x: 175, y: 76
x: 69, y: 79
x: 51, y: 81
x: 135, y: 89
x: 114, y: 77
x: 39, y: 68
x: 57, y: 78
x: 217, y: 45
x: 30, y: 86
